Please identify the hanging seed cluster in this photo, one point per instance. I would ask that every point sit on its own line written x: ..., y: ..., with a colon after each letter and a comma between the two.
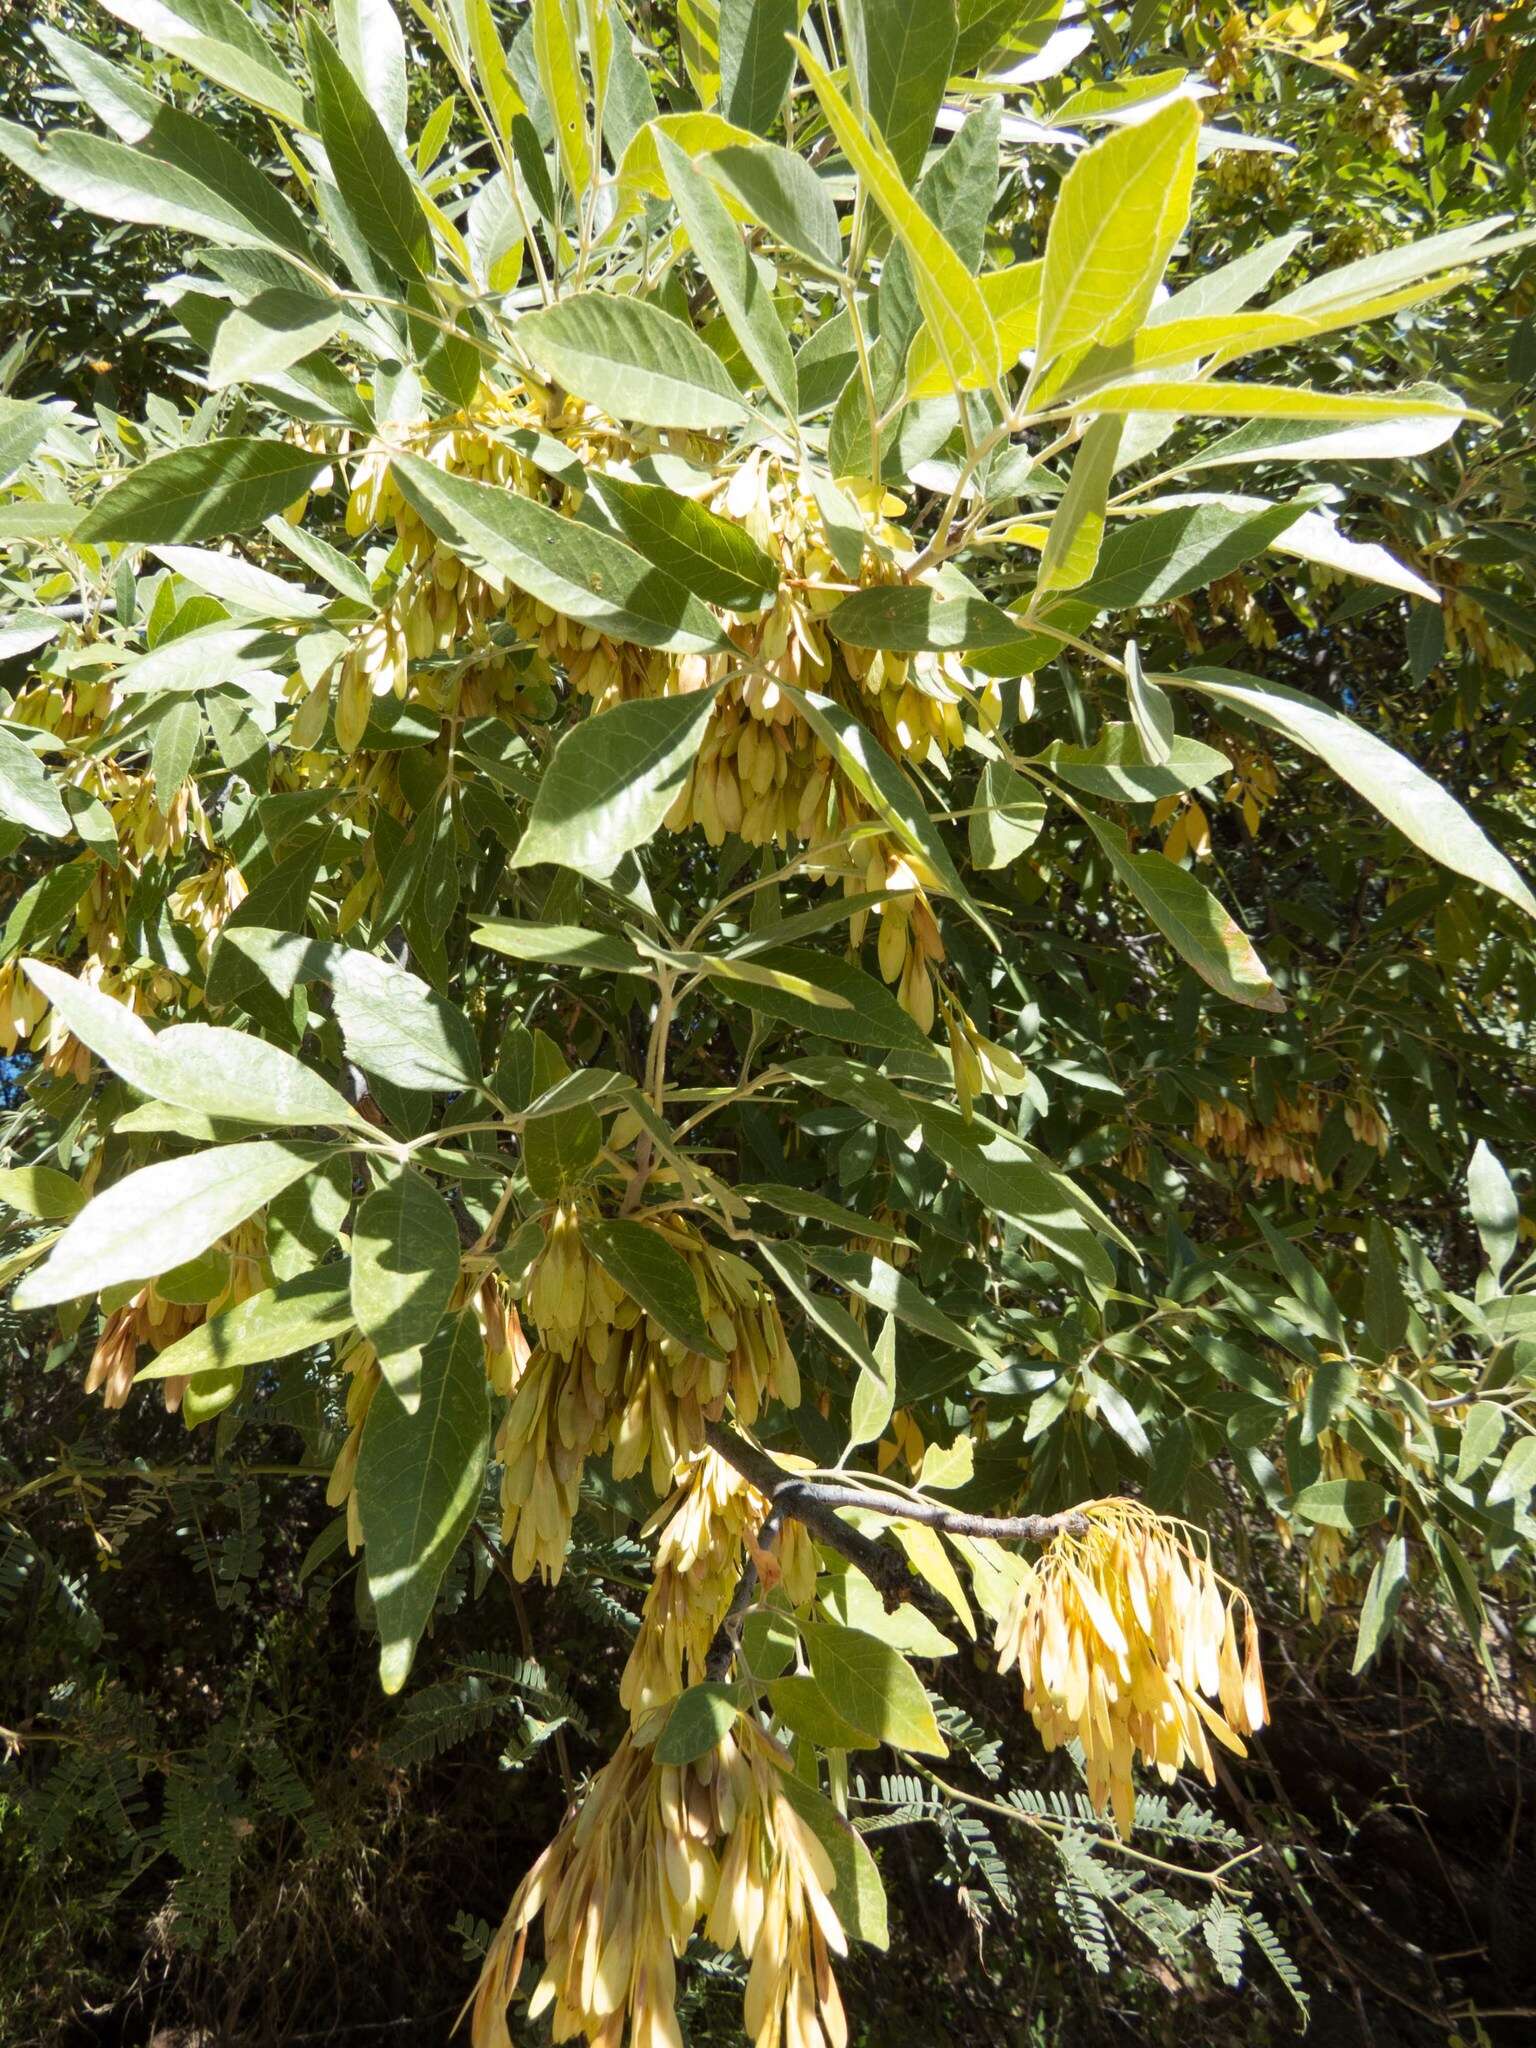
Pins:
x: 1124, y: 1637
x: 458, y: 640
x: 607, y: 1375
x: 708, y: 1526
x: 653, y: 1852
x: 149, y: 1319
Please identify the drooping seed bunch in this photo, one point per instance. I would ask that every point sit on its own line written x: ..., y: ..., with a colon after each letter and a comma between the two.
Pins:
x: 980, y: 1065
x: 634, y: 1870
x: 1281, y: 1149
x: 708, y: 1524
x: 507, y: 1350
x: 148, y: 1318
x: 360, y: 1362
x: 1123, y: 1636
x: 607, y: 1374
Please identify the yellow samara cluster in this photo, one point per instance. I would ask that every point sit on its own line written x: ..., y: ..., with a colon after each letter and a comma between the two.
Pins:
x: 1285, y: 1148
x: 637, y: 1867
x: 360, y: 1362
x: 1282, y: 1149
x: 439, y: 606
x: 1122, y: 1636
x: 605, y: 1374
x: 710, y: 1522
x: 760, y: 773
x: 148, y: 1318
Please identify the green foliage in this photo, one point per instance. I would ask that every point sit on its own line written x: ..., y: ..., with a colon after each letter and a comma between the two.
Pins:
x: 663, y: 727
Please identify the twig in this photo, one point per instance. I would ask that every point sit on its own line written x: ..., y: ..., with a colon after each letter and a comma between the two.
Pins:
x: 816, y: 1503
x: 727, y: 1637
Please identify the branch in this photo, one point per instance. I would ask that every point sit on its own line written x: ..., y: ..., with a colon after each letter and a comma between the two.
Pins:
x: 816, y: 1502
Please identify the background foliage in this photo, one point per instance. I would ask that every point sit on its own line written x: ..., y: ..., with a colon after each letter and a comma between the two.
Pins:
x: 1324, y: 1354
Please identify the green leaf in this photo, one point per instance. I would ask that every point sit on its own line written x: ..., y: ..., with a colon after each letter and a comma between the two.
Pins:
x: 558, y: 1148
x: 178, y: 736
x: 27, y: 794
x: 372, y: 179
x: 1151, y: 560
x: 202, y: 493
x: 1481, y: 1435
x: 1194, y: 923
x: 105, y: 178
x: 1388, y: 1581
x: 1121, y: 209
x: 202, y: 660
x: 993, y: 29
x: 219, y: 39
x: 706, y: 554
x: 162, y: 1216
x: 565, y: 563
x: 653, y: 1273
x: 874, y: 1400
x: 873, y: 1688
x: 783, y: 194
x: 1342, y: 1503
x: 399, y: 1030
x: 1421, y: 810
x: 739, y: 291
x: 565, y: 92
x: 38, y: 914
x: 866, y: 1013
x: 1495, y: 1207
x: 698, y: 36
x: 887, y: 1288
x: 909, y: 618
x: 1151, y: 712
x: 800, y: 1705
x: 419, y: 1476
x: 756, y: 60
x: 1077, y: 527
x: 240, y: 584
x: 805, y: 1202
x: 953, y: 307
x: 561, y: 945
x: 1517, y: 1475
x: 1019, y: 1183
x: 902, y: 51
x: 23, y: 429
x: 201, y: 1067
x: 1116, y: 765
x: 272, y: 331
x: 1008, y: 817
x: 292, y: 1316
x: 699, y: 1720
x: 858, y: 1897
x: 1386, y: 1305
x: 830, y: 1317
x: 1236, y: 401
x: 1381, y: 440
x: 633, y: 360
x: 611, y: 781
x: 373, y: 49
x: 405, y: 1266
x: 41, y: 1191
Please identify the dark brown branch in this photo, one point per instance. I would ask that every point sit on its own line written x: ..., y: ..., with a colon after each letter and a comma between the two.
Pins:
x: 727, y: 1637
x: 816, y: 1503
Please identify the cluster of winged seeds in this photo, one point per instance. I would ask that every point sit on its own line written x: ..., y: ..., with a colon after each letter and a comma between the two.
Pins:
x: 1123, y: 1636
x: 456, y: 640
x: 711, y: 1521
x: 238, y: 1269
x: 652, y: 1852
x: 605, y: 1373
